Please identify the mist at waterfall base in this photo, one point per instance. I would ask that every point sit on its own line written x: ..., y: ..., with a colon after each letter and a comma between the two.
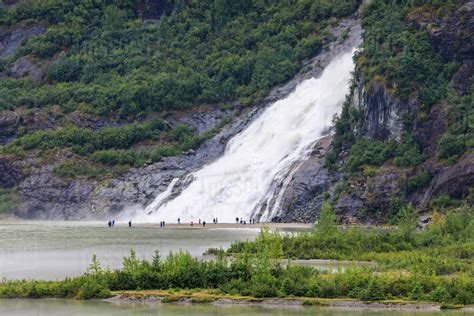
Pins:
x: 250, y: 177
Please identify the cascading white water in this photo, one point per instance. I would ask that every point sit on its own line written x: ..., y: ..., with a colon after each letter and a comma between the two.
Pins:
x: 257, y: 161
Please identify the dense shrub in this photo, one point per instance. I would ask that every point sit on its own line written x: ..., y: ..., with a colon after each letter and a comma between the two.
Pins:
x: 451, y: 145
x: 84, y: 140
x: 262, y: 278
x: 8, y: 202
x: 419, y: 180
x: 402, y: 54
x: 369, y: 152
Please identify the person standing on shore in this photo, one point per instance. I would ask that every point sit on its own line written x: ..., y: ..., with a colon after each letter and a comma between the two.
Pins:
x: 129, y: 223
x: 179, y: 220
x: 109, y: 223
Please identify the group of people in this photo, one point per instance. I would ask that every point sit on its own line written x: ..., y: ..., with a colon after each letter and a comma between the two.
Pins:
x: 203, y: 223
x: 243, y: 222
x: 112, y: 223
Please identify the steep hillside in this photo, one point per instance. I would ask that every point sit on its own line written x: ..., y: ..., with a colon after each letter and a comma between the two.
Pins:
x: 95, y: 95
x: 103, y: 103
x: 406, y: 132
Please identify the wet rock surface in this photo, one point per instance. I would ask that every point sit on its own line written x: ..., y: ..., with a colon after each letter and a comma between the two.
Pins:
x: 383, y: 114
x: 303, y: 197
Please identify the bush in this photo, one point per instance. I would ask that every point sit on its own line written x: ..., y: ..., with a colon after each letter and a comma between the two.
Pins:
x: 418, y: 181
x: 408, y: 152
x: 369, y: 152
x: 451, y: 145
x: 91, y: 289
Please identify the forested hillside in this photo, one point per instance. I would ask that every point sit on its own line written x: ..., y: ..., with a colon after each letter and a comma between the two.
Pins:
x: 101, y: 57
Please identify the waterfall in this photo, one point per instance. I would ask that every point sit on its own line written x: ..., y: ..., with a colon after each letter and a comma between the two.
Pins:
x: 257, y: 163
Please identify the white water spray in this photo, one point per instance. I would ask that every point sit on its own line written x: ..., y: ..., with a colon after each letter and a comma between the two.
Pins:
x: 257, y: 162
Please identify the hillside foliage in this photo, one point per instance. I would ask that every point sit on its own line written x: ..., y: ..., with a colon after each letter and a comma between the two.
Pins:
x: 105, y: 59
x: 400, y: 56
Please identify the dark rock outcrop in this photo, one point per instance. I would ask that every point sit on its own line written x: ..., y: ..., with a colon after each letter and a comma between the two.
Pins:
x: 303, y: 198
x: 9, y: 175
x: 383, y: 114
x: 11, y: 39
x: 450, y: 29
x: 25, y: 67
x: 9, y: 121
x: 454, y: 181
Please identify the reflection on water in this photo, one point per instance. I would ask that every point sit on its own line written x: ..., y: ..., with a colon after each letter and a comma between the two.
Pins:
x: 52, y: 250
x: 53, y: 307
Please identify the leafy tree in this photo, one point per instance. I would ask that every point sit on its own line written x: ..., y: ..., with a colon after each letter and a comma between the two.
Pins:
x: 327, y: 222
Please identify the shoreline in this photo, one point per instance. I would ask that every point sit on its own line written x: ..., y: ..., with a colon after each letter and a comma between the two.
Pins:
x: 203, y: 297
x: 272, y: 226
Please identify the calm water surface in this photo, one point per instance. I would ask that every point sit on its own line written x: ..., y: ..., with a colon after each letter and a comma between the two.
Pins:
x: 54, y: 250
x: 51, y: 307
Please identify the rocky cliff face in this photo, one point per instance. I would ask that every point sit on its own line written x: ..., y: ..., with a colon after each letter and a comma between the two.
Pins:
x: 10, y: 40
x: 359, y: 195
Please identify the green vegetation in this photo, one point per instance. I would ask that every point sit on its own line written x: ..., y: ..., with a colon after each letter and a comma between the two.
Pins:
x: 369, y: 152
x: 460, y: 135
x: 110, y: 61
x: 85, y: 141
x: 112, y: 146
x: 395, y: 50
x: 398, y: 55
x: 7, y: 201
x: 454, y: 229
x: 432, y: 265
x: 417, y: 181
x: 102, y: 58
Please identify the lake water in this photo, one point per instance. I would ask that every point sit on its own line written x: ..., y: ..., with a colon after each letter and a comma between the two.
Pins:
x: 53, y: 307
x: 54, y: 250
